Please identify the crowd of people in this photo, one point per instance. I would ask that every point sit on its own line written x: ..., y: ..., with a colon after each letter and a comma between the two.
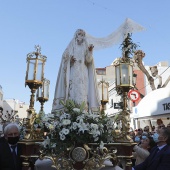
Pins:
x: 149, y: 140
x: 151, y: 152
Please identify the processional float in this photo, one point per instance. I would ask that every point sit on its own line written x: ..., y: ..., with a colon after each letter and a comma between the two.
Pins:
x: 89, y: 155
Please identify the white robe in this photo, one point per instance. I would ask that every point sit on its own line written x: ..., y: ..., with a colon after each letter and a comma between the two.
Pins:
x: 77, y: 81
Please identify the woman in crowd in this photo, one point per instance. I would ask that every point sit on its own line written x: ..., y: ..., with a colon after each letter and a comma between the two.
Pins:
x: 138, y: 135
x: 160, y: 124
x: 142, y: 151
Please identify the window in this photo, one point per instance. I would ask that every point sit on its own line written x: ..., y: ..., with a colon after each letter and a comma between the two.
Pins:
x: 101, y: 71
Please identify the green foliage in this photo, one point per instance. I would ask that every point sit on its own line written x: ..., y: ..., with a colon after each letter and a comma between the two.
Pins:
x: 128, y: 47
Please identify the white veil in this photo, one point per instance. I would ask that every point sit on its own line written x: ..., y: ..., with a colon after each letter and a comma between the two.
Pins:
x: 129, y: 26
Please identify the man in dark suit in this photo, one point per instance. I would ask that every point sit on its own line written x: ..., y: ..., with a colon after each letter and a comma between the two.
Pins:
x: 159, y: 158
x: 9, y: 150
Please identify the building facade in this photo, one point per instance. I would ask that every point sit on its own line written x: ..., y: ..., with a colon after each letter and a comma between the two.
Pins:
x: 142, y: 86
x: 153, y: 106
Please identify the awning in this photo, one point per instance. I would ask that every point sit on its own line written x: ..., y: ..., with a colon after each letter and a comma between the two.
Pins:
x: 155, y: 103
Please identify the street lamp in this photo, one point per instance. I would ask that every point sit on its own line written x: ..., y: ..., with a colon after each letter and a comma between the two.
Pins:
x: 43, y: 93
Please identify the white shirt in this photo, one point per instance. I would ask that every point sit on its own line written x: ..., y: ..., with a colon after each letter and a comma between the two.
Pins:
x: 12, y: 149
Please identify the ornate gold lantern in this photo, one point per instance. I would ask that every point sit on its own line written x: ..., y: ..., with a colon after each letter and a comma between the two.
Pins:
x: 34, y: 79
x: 43, y: 93
x: 124, y: 74
x: 35, y: 72
x: 124, y: 82
x: 103, y: 91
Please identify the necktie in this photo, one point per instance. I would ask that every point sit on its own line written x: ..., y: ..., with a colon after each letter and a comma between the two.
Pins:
x: 14, y: 155
x: 155, y: 152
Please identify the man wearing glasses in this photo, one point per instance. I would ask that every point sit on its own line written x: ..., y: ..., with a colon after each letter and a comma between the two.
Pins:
x: 159, y: 158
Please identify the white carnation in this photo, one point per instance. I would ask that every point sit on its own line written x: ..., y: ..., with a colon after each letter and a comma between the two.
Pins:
x: 65, y: 131
x: 62, y: 137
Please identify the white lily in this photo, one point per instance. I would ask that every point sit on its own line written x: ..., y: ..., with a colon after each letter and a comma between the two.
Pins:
x: 76, y: 110
x: 82, y: 127
x: 66, y: 122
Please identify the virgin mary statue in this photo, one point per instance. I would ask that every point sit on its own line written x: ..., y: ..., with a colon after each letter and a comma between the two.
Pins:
x: 76, y: 77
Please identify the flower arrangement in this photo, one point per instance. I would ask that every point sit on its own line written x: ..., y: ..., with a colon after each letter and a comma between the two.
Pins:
x: 74, y: 125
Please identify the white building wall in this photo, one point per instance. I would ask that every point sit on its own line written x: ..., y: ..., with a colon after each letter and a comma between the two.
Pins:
x: 113, y: 98
x: 17, y: 106
x: 163, y: 70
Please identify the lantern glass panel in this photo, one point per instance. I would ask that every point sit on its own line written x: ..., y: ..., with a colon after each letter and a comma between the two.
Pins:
x: 131, y: 75
x: 39, y: 70
x: 43, y: 91
x: 105, y: 92
x: 124, y: 74
x: 39, y: 92
x: 100, y: 91
x: 117, y: 70
x: 31, y: 70
x: 46, y: 90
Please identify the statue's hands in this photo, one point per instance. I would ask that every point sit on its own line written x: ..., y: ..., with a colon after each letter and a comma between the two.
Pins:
x: 72, y: 60
x: 91, y: 46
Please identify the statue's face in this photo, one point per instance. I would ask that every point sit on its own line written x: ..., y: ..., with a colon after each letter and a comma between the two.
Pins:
x: 80, y: 36
x: 154, y: 71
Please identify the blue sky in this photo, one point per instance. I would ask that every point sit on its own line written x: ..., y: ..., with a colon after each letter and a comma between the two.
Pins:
x: 52, y: 23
